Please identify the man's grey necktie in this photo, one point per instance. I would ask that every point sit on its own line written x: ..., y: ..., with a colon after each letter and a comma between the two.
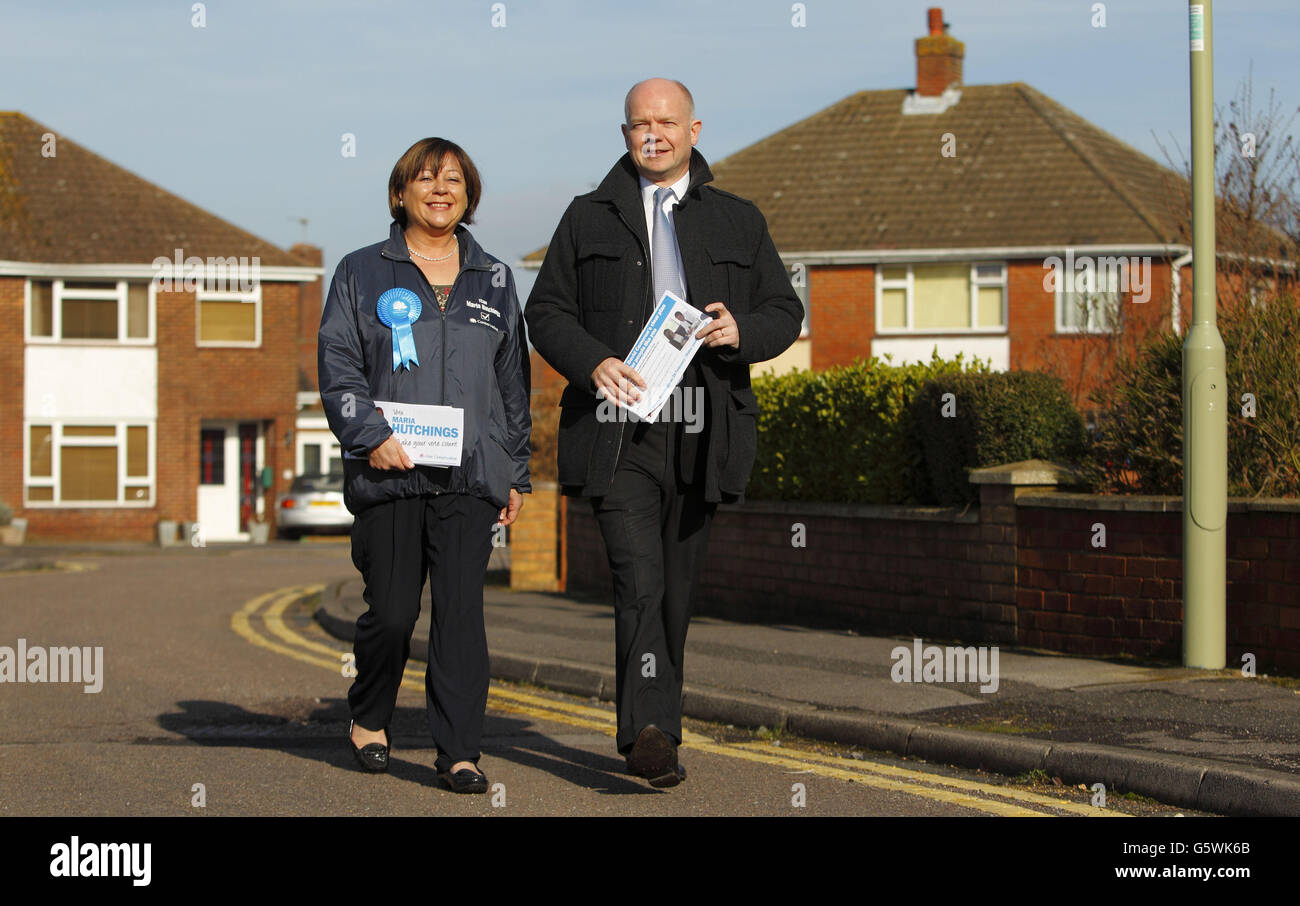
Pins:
x: 664, y: 257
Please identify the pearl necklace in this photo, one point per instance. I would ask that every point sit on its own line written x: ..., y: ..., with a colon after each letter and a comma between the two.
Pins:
x: 455, y: 245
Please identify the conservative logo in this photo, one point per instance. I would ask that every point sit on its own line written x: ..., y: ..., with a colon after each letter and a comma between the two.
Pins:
x: 482, y: 313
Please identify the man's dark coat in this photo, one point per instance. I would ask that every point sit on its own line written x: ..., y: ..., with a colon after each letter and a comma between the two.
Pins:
x: 594, y: 294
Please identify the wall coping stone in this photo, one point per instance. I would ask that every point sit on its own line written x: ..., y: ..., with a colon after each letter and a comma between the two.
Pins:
x: 1151, y: 503
x: 969, y: 515
x: 1026, y: 472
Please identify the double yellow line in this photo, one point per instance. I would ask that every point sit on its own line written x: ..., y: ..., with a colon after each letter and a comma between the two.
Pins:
x: 266, y: 612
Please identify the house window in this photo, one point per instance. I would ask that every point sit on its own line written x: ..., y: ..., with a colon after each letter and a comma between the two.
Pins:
x: 1091, y: 305
x: 230, y: 318
x: 89, y: 310
x: 941, y: 298
x: 893, y: 297
x: 989, y: 292
x: 77, y: 464
x: 321, y: 458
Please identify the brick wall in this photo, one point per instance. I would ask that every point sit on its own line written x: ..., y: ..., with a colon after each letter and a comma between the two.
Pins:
x: 1080, y: 359
x: 537, y: 541
x: 248, y: 384
x: 1022, y: 569
x: 309, y: 312
x: 544, y: 377
x: 843, y: 303
x: 937, y: 573
x: 843, y: 322
x: 1126, y: 598
x: 11, y: 397
x: 1123, y: 598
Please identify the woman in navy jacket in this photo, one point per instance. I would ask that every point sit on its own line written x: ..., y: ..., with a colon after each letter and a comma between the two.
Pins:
x: 429, y: 318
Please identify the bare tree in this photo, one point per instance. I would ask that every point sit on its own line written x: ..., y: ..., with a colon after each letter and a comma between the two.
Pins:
x: 1257, y: 210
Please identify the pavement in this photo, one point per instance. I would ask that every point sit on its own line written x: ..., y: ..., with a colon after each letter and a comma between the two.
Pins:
x: 1208, y: 740
x: 1212, y: 741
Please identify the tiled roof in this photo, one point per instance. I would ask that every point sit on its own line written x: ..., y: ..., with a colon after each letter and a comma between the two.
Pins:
x: 78, y: 208
x: 861, y: 175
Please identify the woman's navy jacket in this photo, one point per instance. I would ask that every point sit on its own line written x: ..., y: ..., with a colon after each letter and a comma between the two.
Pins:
x: 473, y: 356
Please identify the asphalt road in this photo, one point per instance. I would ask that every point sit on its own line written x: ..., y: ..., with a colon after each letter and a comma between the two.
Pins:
x: 221, y: 696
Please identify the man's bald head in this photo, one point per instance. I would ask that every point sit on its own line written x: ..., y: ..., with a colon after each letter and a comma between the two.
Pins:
x: 660, y: 129
x: 658, y: 85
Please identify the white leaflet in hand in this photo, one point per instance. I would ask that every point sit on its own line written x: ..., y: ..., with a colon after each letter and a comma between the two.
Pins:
x: 430, y: 435
x: 663, y: 350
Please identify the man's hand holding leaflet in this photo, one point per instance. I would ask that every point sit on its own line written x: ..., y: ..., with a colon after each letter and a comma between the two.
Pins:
x: 658, y: 359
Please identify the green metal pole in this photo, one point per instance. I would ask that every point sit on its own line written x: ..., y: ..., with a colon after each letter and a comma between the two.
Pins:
x: 1205, y: 390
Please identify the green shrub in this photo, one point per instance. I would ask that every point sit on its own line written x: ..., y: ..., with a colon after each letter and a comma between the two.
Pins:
x: 1139, y: 442
x: 842, y: 435
x: 990, y: 419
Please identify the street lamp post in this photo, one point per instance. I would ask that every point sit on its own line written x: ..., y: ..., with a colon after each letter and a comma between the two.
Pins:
x: 1205, y: 391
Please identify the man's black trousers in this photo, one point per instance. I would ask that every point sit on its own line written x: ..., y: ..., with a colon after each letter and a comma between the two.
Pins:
x: 656, y: 530
x: 395, y: 544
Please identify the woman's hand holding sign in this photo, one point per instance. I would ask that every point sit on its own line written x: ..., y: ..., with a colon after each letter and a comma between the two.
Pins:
x: 390, y: 455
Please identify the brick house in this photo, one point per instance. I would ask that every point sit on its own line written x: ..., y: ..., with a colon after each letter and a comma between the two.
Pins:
x: 922, y: 219
x: 927, y: 218
x: 152, y: 350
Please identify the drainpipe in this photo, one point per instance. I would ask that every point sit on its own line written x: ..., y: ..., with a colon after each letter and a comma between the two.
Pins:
x: 1176, y: 315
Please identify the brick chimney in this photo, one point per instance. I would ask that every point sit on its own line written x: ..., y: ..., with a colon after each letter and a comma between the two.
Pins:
x: 938, y: 58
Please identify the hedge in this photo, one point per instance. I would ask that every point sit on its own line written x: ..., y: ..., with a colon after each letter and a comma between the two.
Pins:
x: 966, y: 421
x: 843, y: 435
x: 1139, y: 441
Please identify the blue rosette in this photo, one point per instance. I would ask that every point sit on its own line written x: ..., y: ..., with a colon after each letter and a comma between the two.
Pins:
x: 398, y: 309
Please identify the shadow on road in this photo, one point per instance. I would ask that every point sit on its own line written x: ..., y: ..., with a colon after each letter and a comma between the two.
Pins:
x: 317, y: 731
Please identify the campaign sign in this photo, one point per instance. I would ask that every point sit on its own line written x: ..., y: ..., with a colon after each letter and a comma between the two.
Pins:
x: 430, y: 435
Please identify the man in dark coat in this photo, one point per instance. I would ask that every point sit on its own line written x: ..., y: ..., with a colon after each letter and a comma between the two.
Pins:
x: 655, y: 224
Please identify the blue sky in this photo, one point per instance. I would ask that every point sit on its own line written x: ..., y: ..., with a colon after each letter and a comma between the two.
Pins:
x: 245, y: 116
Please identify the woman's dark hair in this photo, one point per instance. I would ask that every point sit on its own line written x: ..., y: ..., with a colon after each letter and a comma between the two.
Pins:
x: 428, y: 153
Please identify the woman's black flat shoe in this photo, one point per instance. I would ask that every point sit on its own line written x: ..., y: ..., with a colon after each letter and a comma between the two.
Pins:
x: 373, y: 757
x: 464, y: 781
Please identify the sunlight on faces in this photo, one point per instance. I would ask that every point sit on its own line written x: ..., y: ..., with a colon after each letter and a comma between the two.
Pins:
x: 436, y: 200
x: 660, y: 130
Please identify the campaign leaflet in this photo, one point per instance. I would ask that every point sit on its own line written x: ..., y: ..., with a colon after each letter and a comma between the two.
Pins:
x: 663, y: 350
x: 430, y: 435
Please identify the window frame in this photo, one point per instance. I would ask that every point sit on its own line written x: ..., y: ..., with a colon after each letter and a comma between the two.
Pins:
x: 1062, y: 293
x: 118, y: 441
x: 974, y: 284
x: 120, y: 292
x: 254, y: 298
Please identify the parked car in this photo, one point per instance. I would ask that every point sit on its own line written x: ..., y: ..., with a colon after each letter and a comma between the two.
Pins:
x: 314, y: 503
